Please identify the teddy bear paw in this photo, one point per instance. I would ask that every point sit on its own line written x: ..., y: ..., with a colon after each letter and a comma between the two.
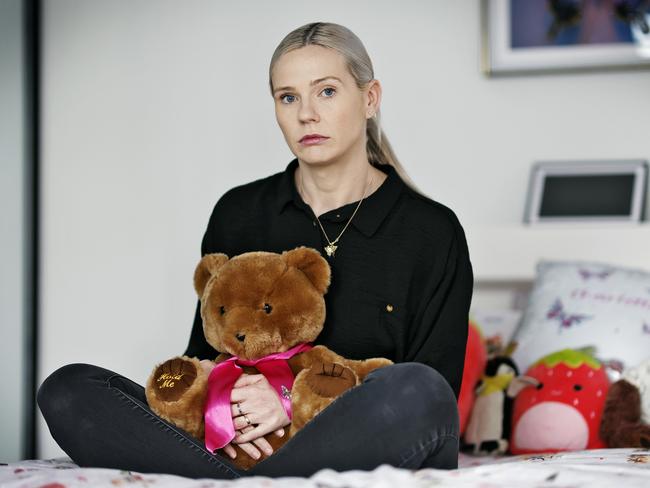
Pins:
x: 173, y: 378
x: 330, y: 379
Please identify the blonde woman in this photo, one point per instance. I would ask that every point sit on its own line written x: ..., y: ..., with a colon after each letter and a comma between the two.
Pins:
x: 401, y: 288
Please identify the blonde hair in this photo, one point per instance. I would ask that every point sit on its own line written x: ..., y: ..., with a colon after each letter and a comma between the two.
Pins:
x: 343, y: 40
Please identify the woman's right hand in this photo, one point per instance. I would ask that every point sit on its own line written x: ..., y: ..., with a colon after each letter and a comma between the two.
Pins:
x: 255, y: 448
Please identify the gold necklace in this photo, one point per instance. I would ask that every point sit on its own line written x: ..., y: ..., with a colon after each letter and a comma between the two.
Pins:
x: 332, y: 247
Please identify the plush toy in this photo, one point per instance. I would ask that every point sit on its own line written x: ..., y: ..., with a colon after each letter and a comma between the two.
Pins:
x: 626, y: 418
x: 260, y: 310
x: 563, y: 411
x: 475, y: 360
x: 488, y: 429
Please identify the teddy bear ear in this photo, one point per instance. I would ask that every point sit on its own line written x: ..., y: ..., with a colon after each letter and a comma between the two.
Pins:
x: 206, y: 269
x: 312, y: 264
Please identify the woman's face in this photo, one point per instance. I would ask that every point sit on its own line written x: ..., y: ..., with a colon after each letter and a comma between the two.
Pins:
x: 315, y: 94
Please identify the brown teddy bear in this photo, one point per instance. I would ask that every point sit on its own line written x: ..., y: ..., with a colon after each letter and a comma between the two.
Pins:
x: 260, y: 310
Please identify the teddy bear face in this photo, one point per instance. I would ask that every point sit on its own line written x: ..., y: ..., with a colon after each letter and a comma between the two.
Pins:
x: 259, y: 303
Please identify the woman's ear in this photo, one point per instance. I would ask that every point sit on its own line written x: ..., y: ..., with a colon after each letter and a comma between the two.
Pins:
x: 312, y: 264
x: 206, y: 269
x: 373, y: 98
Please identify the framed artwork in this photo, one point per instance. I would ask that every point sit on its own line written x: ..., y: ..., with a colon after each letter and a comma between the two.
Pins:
x: 544, y: 36
x: 587, y: 191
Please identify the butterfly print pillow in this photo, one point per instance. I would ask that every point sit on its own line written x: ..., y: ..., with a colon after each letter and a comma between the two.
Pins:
x: 578, y: 304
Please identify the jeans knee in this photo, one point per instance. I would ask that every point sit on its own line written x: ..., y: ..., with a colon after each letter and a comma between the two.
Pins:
x: 423, y: 391
x: 58, y: 391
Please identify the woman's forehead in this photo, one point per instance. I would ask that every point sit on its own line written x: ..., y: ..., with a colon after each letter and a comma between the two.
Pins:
x: 309, y: 65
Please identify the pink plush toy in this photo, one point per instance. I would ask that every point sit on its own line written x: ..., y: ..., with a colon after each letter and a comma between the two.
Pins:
x: 563, y: 411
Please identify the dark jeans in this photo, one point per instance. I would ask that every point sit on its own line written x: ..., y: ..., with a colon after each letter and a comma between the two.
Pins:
x: 404, y: 415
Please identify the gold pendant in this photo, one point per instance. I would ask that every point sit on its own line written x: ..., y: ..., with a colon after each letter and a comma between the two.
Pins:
x: 330, y: 249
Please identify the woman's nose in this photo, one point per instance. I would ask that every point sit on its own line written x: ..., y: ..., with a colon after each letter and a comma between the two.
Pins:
x: 308, y: 112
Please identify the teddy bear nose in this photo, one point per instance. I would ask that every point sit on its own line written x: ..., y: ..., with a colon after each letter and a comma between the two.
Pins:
x: 240, y: 337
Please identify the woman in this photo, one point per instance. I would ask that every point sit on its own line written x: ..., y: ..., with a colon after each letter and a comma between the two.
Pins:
x: 401, y: 288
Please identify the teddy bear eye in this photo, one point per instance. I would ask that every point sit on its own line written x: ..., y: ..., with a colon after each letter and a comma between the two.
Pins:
x: 577, y: 387
x: 267, y: 308
x: 222, y: 310
x: 540, y: 386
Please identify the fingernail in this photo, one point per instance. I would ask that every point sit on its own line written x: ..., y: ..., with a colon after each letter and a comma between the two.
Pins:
x: 268, y: 452
x: 281, y: 433
x: 257, y: 455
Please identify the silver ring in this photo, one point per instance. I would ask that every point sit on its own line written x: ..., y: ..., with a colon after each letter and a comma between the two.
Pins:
x: 239, y: 408
x: 248, y: 421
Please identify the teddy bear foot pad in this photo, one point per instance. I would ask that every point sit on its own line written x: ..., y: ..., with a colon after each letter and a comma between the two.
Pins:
x: 173, y: 378
x: 330, y: 379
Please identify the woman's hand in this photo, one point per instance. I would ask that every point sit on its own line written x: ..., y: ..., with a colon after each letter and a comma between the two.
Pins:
x: 256, y: 410
x: 252, y: 448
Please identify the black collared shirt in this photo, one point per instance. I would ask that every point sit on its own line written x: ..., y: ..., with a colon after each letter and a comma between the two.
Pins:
x: 401, y: 277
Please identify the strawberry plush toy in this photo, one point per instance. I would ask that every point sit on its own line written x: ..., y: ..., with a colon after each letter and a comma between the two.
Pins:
x: 563, y: 411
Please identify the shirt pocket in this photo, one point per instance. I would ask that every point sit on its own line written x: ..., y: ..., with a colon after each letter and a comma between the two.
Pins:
x: 383, y: 333
x: 394, y: 318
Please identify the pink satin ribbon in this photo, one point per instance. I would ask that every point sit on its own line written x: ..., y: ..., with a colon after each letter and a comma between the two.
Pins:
x: 219, y: 428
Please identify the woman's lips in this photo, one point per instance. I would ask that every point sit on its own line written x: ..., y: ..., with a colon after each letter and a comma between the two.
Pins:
x: 311, y: 140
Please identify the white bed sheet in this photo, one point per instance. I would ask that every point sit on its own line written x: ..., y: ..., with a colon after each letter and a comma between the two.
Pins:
x: 590, y: 469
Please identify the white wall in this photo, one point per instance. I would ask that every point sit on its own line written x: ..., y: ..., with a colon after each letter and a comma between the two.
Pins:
x: 12, y: 230
x: 152, y: 109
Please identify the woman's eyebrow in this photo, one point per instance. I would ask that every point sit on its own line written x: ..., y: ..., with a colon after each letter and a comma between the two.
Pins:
x: 313, y: 82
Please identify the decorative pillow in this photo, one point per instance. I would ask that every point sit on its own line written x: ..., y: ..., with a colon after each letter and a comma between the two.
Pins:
x: 579, y: 304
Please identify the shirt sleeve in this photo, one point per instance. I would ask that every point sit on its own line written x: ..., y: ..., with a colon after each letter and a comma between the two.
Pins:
x: 441, y: 324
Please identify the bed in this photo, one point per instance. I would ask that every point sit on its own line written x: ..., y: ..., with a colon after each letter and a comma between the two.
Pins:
x: 615, y: 303
x: 590, y: 468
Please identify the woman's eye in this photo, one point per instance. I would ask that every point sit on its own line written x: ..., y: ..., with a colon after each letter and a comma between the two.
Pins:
x: 286, y: 99
x: 267, y: 308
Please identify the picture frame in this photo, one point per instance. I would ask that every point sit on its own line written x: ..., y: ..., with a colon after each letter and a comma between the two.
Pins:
x: 573, y: 192
x: 525, y: 37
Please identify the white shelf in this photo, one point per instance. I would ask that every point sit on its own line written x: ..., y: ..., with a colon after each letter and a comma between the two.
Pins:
x: 509, y: 253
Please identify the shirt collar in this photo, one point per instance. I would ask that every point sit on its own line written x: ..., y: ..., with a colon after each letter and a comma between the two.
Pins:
x: 373, y: 209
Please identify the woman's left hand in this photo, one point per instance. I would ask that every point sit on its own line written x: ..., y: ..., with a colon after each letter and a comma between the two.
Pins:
x: 260, y: 404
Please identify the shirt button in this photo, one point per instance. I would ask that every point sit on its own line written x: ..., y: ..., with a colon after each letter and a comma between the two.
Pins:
x: 338, y: 216
x: 389, y: 308
x: 314, y: 223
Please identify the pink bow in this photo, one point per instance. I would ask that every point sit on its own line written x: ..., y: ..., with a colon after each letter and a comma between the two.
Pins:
x: 219, y: 429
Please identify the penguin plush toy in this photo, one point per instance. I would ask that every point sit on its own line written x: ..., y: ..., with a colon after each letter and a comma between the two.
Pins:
x: 488, y: 429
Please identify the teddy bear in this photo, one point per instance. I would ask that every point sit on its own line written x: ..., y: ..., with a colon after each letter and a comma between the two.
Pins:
x: 626, y: 418
x: 260, y: 311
